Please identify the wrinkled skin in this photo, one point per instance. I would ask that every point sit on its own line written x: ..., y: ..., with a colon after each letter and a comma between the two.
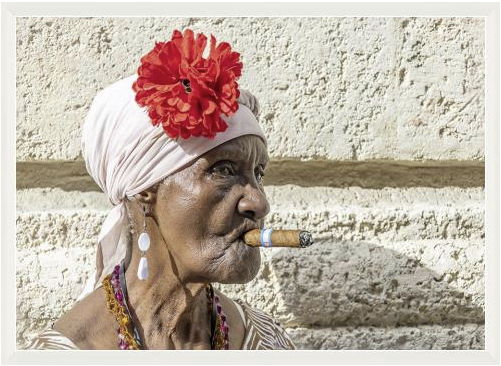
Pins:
x: 202, y: 210
x: 194, y: 220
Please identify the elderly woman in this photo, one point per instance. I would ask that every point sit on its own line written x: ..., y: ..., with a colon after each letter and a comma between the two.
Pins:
x: 180, y: 154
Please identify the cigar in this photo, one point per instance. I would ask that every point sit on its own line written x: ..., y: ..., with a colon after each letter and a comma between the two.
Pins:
x: 278, y: 238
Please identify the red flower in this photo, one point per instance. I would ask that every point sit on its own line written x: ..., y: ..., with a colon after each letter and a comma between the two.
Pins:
x: 185, y: 92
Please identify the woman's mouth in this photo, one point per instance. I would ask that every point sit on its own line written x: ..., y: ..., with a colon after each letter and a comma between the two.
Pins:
x: 238, y: 234
x: 238, y: 240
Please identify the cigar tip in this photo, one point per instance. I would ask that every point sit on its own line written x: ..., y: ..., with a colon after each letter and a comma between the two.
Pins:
x: 305, y: 239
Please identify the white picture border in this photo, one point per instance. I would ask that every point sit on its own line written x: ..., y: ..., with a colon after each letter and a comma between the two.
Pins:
x: 9, y: 11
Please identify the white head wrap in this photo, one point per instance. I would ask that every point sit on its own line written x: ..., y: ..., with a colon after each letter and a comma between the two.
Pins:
x: 126, y: 154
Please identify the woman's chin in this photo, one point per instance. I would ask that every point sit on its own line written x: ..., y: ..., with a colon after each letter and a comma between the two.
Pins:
x: 242, y: 265
x: 238, y: 279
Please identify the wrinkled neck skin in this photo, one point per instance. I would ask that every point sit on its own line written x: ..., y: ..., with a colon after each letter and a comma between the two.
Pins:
x: 169, y: 309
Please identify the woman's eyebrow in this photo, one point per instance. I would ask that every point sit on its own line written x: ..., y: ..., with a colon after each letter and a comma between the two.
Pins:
x: 235, y: 156
x: 224, y: 154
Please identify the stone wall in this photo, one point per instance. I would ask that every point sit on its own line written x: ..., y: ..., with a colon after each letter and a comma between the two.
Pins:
x: 376, y: 131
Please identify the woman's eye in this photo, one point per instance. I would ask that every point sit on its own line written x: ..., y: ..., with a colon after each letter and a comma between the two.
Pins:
x: 223, y: 169
x: 260, y: 175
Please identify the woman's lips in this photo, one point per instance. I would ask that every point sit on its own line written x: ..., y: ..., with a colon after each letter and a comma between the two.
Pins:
x: 238, y: 240
x: 240, y: 243
x: 238, y: 234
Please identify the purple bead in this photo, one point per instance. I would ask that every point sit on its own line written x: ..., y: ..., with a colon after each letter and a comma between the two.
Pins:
x: 218, y: 307
x: 216, y: 298
x: 119, y: 295
x: 117, y: 269
x: 223, y: 317
x: 123, y: 344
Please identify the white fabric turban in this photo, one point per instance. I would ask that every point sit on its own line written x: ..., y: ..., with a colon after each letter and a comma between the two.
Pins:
x: 126, y: 154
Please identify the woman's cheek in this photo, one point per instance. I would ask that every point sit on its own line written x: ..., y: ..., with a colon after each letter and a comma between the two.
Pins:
x: 222, y: 215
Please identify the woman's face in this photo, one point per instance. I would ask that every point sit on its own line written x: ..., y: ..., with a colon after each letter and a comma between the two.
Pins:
x: 204, y: 209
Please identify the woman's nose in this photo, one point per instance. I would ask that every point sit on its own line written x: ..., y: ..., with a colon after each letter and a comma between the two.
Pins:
x: 253, y: 204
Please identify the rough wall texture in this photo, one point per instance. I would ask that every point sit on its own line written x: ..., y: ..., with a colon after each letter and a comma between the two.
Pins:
x: 335, y: 85
x: 375, y: 127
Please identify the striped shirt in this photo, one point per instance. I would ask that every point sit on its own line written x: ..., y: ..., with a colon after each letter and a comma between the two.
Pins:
x: 262, y: 332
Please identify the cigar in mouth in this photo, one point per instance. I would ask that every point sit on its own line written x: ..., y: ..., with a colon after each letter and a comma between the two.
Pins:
x: 278, y: 238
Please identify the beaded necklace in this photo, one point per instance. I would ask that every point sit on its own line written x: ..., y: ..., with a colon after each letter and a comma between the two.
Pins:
x: 128, y: 336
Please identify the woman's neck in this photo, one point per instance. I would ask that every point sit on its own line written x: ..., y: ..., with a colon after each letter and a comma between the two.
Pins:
x: 169, y: 313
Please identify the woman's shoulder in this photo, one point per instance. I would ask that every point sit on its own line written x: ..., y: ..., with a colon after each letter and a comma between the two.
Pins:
x: 261, y: 330
x: 84, y: 326
x: 51, y: 339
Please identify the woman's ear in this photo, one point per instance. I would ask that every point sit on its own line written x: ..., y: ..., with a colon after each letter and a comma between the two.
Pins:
x: 148, y: 196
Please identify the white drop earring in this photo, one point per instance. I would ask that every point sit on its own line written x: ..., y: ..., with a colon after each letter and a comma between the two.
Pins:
x: 144, y: 244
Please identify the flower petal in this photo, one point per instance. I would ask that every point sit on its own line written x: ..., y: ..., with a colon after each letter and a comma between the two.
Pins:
x: 192, y: 109
x: 182, y: 106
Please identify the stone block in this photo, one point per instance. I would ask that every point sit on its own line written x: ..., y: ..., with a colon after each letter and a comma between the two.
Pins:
x: 384, y: 258
x: 468, y: 336
x: 330, y: 88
